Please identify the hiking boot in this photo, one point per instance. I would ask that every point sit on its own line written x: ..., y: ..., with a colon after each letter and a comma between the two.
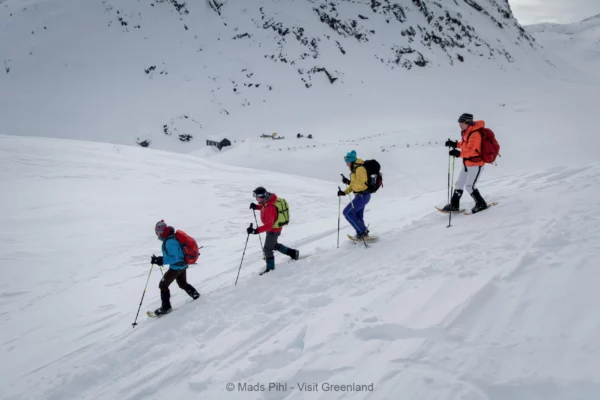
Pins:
x: 480, y: 203
x: 363, y: 235
x: 294, y: 254
x: 193, y: 293
x: 163, y: 310
x: 454, y: 202
x: 478, y: 207
x: 270, y: 265
x: 448, y: 208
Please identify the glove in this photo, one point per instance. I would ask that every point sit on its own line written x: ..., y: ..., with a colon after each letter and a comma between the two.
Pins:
x: 341, y: 193
x: 345, y: 180
x: 253, y: 206
x: 454, y: 153
x: 451, y: 143
x: 157, y: 260
x: 252, y: 231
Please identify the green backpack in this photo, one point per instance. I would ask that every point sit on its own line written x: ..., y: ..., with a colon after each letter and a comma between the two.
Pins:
x: 283, y: 213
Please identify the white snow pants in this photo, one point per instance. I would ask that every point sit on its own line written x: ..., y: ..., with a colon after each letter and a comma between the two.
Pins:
x: 468, y: 177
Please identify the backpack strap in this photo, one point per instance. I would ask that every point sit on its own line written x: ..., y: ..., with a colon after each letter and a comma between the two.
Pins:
x: 367, y: 173
x: 474, y: 159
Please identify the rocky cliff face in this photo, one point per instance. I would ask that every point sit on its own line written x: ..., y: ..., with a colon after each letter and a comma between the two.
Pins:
x: 179, y: 66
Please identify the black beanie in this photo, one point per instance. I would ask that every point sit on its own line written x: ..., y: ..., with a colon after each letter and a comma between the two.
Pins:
x: 260, y: 192
x: 466, y: 118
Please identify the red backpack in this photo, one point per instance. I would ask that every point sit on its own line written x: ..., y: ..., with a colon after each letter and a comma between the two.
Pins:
x: 490, y: 149
x: 189, y: 247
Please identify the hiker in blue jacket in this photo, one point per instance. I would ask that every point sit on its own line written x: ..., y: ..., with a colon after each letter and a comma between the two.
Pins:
x: 173, y: 257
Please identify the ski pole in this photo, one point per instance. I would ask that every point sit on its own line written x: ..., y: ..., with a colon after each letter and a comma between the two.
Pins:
x: 238, y: 275
x: 339, y: 215
x: 143, y: 294
x: 450, y: 213
x: 259, y: 238
x: 449, y: 157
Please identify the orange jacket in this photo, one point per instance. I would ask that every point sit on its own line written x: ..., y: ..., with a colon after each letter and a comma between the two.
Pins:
x: 470, y: 145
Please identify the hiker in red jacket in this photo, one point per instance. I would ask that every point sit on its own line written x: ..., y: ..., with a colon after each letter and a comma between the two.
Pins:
x: 470, y: 152
x: 274, y: 214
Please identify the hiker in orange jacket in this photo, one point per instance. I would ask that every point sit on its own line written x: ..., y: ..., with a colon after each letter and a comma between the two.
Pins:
x: 470, y: 152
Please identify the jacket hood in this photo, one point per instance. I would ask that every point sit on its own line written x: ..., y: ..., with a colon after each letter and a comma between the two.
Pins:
x: 272, y: 199
x: 478, y: 124
x: 475, y: 126
x: 168, y: 232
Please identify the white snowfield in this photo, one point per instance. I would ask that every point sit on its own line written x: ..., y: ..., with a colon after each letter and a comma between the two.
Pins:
x: 499, y: 306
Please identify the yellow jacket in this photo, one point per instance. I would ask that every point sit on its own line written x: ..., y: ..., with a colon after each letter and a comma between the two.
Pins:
x: 358, y: 178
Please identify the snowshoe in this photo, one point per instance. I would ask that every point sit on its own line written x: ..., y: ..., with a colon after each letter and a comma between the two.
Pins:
x: 488, y: 205
x: 162, y: 311
x: 443, y: 210
x: 300, y: 257
x: 367, y: 238
x: 159, y: 312
x: 449, y: 207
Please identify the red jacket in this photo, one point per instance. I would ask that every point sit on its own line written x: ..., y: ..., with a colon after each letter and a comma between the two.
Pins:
x: 268, y: 215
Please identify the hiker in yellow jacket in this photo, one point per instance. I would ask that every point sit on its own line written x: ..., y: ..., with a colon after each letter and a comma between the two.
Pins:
x: 357, y: 184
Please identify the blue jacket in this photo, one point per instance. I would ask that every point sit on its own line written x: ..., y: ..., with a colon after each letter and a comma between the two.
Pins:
x: 173, y: 254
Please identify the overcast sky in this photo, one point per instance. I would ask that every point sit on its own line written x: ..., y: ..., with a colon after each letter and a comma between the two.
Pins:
x: 560, y: 11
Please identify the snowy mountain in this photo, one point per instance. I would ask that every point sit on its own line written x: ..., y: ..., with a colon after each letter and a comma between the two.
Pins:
x: 499, y: 306
x: 171, y: 73
x: 594, y: 18
x: 577, y: 44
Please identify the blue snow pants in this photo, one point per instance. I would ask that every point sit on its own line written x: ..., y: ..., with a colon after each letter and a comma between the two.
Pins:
x: 354, y: 212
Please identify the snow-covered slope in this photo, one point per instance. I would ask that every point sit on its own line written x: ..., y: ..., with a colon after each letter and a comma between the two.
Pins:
x: 499, y: 306
x: 537, y: 127
x: 166, y: 71
x: 577, y: 43
x: 594, y: 18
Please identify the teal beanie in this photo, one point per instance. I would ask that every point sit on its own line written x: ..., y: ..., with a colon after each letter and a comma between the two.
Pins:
x: 350, y: 157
